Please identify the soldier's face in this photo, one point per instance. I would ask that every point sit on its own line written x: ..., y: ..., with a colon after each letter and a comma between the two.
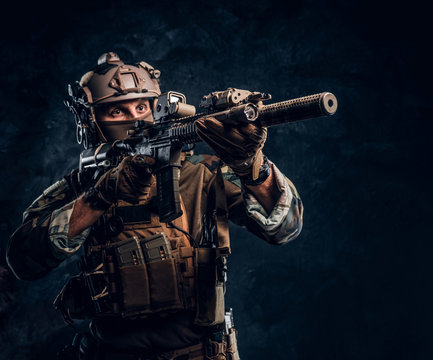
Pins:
x: 118, y: 118
x: 123, y: 110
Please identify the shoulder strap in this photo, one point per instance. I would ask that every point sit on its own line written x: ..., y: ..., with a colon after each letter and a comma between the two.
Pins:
x: 220, y: 214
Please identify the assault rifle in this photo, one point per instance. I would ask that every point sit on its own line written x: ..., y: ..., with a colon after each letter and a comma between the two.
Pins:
x: 174, y: 128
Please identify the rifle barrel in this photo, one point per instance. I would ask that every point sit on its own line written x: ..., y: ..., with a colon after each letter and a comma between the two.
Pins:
x: 306, y: 107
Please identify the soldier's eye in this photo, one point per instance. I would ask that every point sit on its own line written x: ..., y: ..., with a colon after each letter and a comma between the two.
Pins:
x: 116, y: 112
x: 141, y: 108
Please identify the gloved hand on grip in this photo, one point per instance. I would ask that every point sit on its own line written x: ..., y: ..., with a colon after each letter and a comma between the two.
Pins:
x: 131, y: 179
x: 240, y: 147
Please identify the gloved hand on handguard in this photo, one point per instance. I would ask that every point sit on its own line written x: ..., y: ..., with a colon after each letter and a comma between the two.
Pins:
x: 240, y: 147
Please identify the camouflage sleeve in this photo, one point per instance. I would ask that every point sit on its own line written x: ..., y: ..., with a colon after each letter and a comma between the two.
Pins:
x: 61, y: 246
x: 283, y: 224
x: 34, y: 247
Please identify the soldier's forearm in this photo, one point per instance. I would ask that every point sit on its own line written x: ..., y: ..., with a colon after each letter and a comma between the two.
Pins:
x: 82, y: 217
x: 267, y: 193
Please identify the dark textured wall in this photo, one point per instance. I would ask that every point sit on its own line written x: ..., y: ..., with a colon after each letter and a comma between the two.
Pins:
x: 354, y: 285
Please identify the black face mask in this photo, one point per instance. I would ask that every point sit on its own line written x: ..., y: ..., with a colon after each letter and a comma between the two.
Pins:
x: 118, y: 129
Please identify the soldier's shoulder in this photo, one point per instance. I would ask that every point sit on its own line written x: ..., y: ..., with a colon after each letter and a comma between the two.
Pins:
x: 229, y: 175
x: 59, y: 191
x: 210, y: 161
x: 53, y: 196
x: 56, y: 189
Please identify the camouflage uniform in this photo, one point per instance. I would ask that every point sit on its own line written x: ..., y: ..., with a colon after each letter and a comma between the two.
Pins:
x: 40, y: 243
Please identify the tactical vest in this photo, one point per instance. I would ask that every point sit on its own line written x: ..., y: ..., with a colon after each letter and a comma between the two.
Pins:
x: 135, y: 266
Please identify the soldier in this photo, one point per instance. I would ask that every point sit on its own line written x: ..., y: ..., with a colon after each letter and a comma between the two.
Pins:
x: 153, y: 290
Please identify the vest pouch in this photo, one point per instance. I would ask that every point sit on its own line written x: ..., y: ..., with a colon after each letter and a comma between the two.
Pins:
x: 210, y: 289
x: 164, y: 285
x: 135, y: 290
x: 148, y: 276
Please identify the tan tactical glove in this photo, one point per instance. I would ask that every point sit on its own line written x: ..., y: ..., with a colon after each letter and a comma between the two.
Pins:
x: 129, y: 181
x: 240, y: 147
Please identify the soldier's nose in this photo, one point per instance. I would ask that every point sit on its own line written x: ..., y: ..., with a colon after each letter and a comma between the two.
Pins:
x: 133, y: 112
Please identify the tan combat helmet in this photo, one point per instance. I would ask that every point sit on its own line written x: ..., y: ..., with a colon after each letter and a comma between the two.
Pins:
x: 110, y: 81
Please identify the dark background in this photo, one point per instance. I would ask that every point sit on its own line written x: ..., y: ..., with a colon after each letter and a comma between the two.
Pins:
x: 356, y: 283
